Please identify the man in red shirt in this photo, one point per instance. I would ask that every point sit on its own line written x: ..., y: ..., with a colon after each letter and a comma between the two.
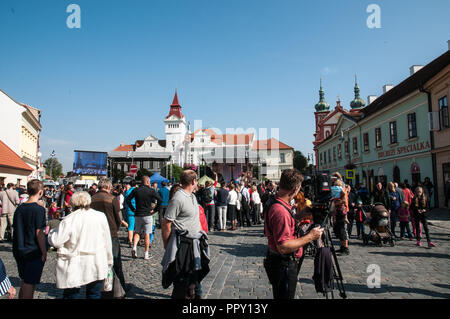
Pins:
x: 285, y: 248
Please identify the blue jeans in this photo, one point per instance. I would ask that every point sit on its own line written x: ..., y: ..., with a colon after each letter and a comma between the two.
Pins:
x: 360, y: 228
x: 394, y: 219
x: 93, y: 291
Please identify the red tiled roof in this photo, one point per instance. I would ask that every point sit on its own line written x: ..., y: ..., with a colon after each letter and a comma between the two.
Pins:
x: 227, y: 139
x: 270, y: 144
x: 237, y: 139
x: 123, y: 148
x: 8, y: 158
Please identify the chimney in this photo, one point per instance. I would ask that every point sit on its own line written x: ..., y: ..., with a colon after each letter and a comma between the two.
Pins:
x: 371, y: 98
x: 387, y: 87
x: 413, y: 69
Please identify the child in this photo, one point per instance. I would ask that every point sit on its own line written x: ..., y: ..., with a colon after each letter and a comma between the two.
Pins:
x: 339, y: 211
x: 29, y: 242
x: 52, y: 211
x: 359, y: 218
x: 404, y: 214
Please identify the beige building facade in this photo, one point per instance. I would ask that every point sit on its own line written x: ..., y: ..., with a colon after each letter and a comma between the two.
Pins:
x: 439, y: 89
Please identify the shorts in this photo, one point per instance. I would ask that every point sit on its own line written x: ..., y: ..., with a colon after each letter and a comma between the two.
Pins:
x: 30, y: 271
x: 131, y: 222
x: 340, y: 230
x: 143, y: 225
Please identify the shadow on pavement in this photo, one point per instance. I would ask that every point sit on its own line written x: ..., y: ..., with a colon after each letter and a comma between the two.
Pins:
x: 407, y: 254
x: 242, y: 250
x: 137, y: 293
x: 386, y: 289
x: 48, y: 288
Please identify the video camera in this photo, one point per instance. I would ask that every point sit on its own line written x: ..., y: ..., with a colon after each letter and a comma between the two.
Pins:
x: 318, y: 189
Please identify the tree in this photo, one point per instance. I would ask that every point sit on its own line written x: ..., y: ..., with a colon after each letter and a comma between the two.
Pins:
x: 173, y: 172
x: 117, y: 174
x: 143, y: 172
x: 53, y: 168
x: 300, y: 161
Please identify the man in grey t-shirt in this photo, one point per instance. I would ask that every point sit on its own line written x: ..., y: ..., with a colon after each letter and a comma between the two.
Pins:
x: 182, y: 211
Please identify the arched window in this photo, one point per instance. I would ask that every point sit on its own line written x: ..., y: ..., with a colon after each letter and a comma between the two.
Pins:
x: 396, y: 174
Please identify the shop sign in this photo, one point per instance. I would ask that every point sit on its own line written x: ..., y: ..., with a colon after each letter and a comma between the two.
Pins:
x: 416, y: 147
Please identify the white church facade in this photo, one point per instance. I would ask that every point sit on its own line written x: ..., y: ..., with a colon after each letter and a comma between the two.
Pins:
x: 230, y: 155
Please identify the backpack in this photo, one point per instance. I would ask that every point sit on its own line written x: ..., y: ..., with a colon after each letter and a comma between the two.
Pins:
x: 206, y: 196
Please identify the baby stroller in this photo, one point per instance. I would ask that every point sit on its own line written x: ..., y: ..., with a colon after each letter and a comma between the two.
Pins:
x: 379, y: 227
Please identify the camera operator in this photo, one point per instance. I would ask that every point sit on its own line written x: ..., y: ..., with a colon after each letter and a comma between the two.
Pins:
x: 285, y: 247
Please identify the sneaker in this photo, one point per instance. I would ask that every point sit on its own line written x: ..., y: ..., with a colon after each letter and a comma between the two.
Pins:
x: 430, y: 244
x: 346, y: 251
x: 146, y: 256
x: 133, y: 254
x: 419, y: 243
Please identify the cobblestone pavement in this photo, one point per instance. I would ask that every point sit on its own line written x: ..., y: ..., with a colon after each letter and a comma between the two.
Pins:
x: 237, y: 271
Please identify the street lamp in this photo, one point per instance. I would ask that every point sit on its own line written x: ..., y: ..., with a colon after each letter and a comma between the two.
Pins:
x: 52, y: 155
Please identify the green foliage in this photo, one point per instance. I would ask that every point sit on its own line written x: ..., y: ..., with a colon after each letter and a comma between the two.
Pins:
x: 300, y: 161
x: 53, y: 168
x: 173, y: 171
x: 143, y: 172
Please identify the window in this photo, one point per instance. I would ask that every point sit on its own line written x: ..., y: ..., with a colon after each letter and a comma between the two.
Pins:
x: 355, y: 145
x: 329, y: 155
x: 366, y: 142
x: 325, y: 157
x: 412, y: 125
x: 321, y: 158
x: 378, y: 143
x: 346, y: 148
x: 393, y: 132
x: 339, y: 151
x: 443, y: 112
x: 334, y: 153
x: 282, y: 158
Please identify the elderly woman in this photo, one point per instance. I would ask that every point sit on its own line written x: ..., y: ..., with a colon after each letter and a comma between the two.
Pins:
x: 84, y: 246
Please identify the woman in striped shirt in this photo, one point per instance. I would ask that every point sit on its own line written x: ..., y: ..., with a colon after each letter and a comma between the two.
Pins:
x: 5, y: 284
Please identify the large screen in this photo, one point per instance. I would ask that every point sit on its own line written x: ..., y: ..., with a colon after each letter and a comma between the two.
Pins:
x: 90, y: 163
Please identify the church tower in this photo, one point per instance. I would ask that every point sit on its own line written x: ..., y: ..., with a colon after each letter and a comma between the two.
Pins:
x: 322, y: 110
x: 175, y: 129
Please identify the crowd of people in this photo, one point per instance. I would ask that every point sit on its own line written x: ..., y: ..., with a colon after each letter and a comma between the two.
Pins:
x: 83, y: 226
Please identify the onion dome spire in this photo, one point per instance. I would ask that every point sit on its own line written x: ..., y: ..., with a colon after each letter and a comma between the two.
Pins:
x: 322, y: 106
x: 357, y: 103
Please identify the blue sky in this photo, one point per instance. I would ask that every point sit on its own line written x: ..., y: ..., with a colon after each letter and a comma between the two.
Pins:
x: 236, y: 63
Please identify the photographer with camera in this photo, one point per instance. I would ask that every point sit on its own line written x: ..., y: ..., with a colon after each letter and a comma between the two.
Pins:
x: 285, y: 251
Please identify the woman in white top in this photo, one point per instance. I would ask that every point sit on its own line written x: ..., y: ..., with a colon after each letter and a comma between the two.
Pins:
x: 256, y: 202
x: 232, y: 202
x: 83, y: 240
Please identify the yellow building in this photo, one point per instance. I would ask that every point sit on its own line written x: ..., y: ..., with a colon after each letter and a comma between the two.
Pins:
x: 29, y: 140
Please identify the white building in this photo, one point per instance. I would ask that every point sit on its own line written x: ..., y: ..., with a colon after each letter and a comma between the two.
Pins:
x: 231, y: 155
x: 19, y: 133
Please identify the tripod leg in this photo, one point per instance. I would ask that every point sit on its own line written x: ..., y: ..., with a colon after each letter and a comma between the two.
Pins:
x: 337, y: 271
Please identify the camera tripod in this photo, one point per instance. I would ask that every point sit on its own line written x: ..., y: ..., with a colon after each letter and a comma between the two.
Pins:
x: 327, y: 241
